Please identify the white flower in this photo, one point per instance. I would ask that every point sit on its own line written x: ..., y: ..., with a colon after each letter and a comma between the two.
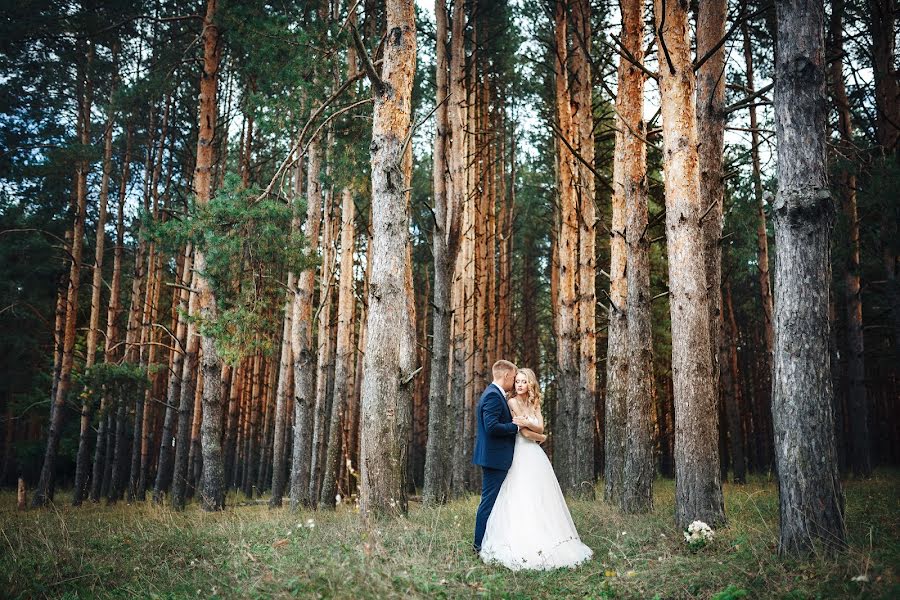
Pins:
x: 310, y: 523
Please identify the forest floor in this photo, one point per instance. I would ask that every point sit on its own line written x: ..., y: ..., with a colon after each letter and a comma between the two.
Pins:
x: 249, y: 551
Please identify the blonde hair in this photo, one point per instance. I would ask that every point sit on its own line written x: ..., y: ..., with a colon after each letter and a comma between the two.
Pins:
x: 501, y: 368
x: 534, y: 397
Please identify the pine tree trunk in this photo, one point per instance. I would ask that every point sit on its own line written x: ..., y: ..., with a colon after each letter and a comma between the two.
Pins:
x: 343, y: 365
x: 631, y: 191
x: 186, y: 402
x: 711, y: 151
x: 762, y: 250
x: 846, y: 187
x: 302, y: 342
x: 445, y: 241
x: 281, y: 396
x: 583, y: 136
x: 166, y: 456
x: 887, y: 123
x: 213, y: 484
x: 811, y: 499
x: 731, y: 387
x: 567, y: 308
x: 99, y: 478
x: 43, y: 493
x: 82, y: 460
x: 323, y: 354
x: 698, y: 488
x: 390, y: 357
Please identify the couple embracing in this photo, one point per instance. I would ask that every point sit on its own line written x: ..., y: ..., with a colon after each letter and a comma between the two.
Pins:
x: 523, y: 521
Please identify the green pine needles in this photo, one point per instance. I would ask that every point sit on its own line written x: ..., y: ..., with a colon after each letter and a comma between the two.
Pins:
x: 249, y: 247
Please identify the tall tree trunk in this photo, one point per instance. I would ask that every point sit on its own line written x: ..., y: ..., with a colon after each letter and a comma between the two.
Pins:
x: 445, y: 241
x: 617, y: 354
x: 846, y: 187
x: 567, y: 307
x: 583, y: 137
x: 82, y: 460
x: 811, y: 499
x: 281, y: 399
x: 99, y: 478
x: 43, y: 493
x: 762, y: 248
x: 323, y: 354
x: 186, y: 402
x: 212, y: 486
x: 164, y: 468
x: 390, y: 355
x: 698, y: 487
x: 711, y: 154
x: 302, y: 342
x: 343, y: 364
x: 631, y: 197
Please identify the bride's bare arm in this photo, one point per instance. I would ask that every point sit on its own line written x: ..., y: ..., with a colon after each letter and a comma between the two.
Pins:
x: 540, y: 438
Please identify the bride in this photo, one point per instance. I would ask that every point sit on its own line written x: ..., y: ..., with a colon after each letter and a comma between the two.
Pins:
x: 530, y: 526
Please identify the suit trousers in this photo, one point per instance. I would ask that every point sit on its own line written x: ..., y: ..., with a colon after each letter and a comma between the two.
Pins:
x: 491, y: 480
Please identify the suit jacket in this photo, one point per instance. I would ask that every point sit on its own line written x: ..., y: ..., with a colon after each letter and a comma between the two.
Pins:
x: 496, y: 437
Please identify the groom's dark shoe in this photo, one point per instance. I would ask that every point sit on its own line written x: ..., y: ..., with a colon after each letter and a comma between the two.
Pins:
x: 476, y: 549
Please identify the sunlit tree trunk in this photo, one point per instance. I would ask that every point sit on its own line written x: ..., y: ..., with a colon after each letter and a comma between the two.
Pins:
x: 711, y: 130
x: 565, y: 452
x: 630, y: 172
x: 343, y: 364
x: 102, y: 458
x: 43, y: 493
x: 811, y: 498
x: 82, y: 460
x: 698, y: 487
x: 390, y: 357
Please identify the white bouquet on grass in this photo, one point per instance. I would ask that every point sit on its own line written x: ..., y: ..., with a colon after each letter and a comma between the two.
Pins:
x: 698, y: 534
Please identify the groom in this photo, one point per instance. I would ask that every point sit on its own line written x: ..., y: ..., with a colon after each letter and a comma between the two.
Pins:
x: 494, y: 442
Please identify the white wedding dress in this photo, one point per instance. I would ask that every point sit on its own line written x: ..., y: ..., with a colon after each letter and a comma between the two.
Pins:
x: 530, y: 526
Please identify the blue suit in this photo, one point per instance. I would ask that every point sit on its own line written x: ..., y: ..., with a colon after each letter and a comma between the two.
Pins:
x: 494, y: 445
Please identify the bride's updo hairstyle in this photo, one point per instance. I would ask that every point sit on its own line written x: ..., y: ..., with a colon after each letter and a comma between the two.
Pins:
x: 534, y: 390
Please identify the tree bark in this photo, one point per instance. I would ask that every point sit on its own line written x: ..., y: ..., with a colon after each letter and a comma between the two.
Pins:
x: 343, y: 364
x: 711, y: 152
x: 99, y: 478
x: 390, y: 357
x: 82, y: 460
x: 43, y: 493
x: 846, y: 186
x: 164, y: 469
x: 212, y: 486
x: 583, y: 136
x: 323, y: 354
x: 302, y: 342
x: 811, y: 499
x: 567, y: 306
x: 731, y: 386
x: 698, y: 487
x: 630, y: 179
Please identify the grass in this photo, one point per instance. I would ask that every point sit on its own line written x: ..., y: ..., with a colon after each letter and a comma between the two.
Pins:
x: 249, y: 551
